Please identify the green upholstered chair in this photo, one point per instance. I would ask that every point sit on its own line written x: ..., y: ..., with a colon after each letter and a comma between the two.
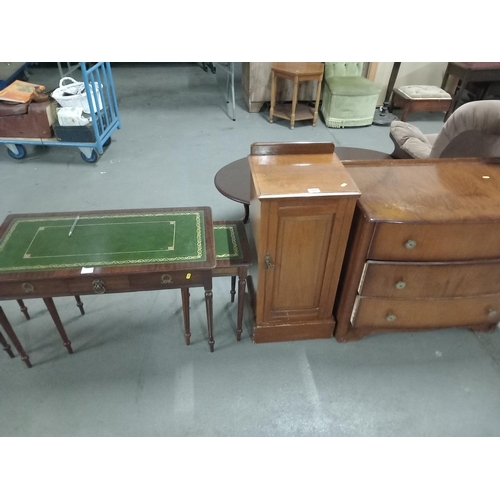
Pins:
x: 349, y: 99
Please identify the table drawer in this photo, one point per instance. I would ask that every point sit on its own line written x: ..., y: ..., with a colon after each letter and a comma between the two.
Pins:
x: 161, y: 280
x: 430, y: 280
x: 425, y: 314
x: 33, y: 288
x: 88, y: 284
x: 435, y: 242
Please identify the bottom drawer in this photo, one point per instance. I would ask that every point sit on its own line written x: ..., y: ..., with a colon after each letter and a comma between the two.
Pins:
x: 425, y: 313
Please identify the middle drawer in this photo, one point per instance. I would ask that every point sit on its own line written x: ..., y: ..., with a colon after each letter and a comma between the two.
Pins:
x: 426, y: 280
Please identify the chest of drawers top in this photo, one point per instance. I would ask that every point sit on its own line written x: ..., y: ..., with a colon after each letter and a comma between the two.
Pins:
x: 440, y: 190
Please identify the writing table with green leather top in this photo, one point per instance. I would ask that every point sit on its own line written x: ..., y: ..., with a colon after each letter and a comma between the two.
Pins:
x: 107, y: 252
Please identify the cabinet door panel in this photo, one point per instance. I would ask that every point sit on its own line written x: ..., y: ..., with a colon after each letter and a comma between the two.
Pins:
x: 305, y: 243
x: 300, y: 261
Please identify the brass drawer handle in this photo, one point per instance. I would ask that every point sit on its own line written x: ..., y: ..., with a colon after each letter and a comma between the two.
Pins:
x: 98, y: 286
x: 410, y: 244
x: 27, y: 288
x: 391, y: 317
x: 166, y: 279
x: 267, y: 262
x: 400, y: 285
x: 492, y: 313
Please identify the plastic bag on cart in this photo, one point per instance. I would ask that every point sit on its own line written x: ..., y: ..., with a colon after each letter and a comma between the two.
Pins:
x: 74, y: 95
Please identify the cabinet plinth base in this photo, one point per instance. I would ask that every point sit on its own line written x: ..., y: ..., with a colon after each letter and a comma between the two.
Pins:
x: 302, y: 331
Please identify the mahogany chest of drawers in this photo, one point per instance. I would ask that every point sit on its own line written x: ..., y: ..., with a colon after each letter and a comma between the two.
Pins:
x: 424, y: 247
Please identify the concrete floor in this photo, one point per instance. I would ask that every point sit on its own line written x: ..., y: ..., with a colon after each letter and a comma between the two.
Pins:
x: 131, y: 373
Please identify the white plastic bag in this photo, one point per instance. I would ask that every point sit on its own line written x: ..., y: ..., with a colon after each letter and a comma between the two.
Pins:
x: 77, y: 96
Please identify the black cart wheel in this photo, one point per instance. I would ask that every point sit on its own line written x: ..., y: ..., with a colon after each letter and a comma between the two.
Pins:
x: 21, y: 152
x: 107, y: 143
x: 93, y: 157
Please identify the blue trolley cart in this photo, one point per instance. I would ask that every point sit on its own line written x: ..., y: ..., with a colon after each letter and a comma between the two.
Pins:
x: 104, y: 120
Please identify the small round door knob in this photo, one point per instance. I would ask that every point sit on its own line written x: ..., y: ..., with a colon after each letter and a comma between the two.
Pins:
x: 400, y: 285
x: 410, y: 244
x: 391, y: 317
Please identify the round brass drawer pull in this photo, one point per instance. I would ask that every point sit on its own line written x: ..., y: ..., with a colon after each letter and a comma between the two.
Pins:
x: 391, y: 317
x: 410, y: 244
x: 166, y: 279
x: 98, y: 286
x: 27, y: 288
x: 491, y: 313
x: 400, y: 285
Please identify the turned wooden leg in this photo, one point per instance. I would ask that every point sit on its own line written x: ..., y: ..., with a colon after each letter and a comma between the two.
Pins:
x: 6, y: 346
x: 273, y: 96
x: 406, y: 111
x: 294, y: 100
x: 210, y: 314
x: 23, y: 308
x: 13, y: 338
x: 318, y: 97
x: 233, y: 288
x: 79, y: 303
x: 185, y: 312
x: 57, y: 321
x: 242, y: 285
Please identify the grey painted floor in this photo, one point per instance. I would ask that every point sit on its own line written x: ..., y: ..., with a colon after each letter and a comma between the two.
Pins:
x: 131, y: 373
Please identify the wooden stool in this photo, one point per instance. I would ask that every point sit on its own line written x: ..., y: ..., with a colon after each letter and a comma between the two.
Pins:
x: 298, y: 72
x: 416, y: 98
x: 233, y: 259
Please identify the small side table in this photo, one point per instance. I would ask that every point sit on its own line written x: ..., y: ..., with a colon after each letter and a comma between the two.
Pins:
x: 298, y: 72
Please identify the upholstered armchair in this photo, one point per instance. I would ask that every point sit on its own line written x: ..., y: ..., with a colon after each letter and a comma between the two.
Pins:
x: 473, y: 130
x: 349, y: 99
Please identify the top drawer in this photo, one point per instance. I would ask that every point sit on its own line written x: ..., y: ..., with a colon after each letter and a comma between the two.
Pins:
x: 435, y: 242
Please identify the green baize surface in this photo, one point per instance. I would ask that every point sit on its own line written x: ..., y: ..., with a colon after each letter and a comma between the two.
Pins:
x: 99, y: 240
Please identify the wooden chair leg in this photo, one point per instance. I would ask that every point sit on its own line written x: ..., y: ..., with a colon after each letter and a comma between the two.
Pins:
x: 6, y: 346
x: 242, y: 284
x: 24, y: 309
x: 406, y: 111
x: 49, y: 302
x: 233, y: 288
x: 185, y: 312
x: 13, y: 338
x: 79, y: 303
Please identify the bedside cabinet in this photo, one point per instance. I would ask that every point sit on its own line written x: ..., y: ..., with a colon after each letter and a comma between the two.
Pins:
x: 424, y: 249
x: 301, y: 205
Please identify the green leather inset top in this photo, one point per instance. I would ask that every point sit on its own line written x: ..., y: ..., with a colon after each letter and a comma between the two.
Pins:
x: 227, y: 243
x: 103, y: 240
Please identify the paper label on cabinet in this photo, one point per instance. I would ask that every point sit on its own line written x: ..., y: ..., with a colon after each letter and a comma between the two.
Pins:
x: 314, y: 190
x: 87, y: 270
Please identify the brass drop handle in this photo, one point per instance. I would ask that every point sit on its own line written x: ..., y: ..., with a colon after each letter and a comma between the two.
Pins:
x: 492, y: 313
x: 98, y: 286
x: 391, y: 317
x: 410, y: 244
x: 166, y: 279
x: 267, y: 261
x: 400, y: 285
x: 27, y: 288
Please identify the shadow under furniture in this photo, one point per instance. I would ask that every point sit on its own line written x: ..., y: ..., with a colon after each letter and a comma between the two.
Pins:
x: 473, y: 130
